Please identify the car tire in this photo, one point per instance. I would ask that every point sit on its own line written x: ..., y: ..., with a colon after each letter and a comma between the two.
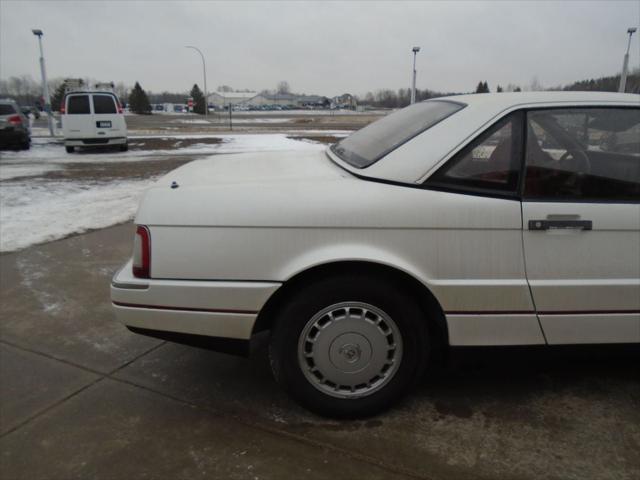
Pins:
x: 369, y: 334
x: 124, y: 147
x: 69, y: 149
x: 26, y: 145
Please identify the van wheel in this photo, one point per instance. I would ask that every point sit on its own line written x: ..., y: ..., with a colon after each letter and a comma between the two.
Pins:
x: 124, y: 147
x: 349, y: 346
x: 70, y: 149
x: 26, y: 145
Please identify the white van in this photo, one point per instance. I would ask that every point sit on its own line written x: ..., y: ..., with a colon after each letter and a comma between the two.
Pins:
x: 93, y: 119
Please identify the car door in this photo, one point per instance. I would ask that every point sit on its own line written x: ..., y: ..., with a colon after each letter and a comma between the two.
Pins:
x: 490, y: 302
x: 106, y: 121
x: 77, y: 119
x: 581, y: 219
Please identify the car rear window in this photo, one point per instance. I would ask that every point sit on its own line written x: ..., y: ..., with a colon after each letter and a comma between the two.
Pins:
x: 7, y: 109
x: 368, y: 145
x: 104, y: 104
x: 78, y: 105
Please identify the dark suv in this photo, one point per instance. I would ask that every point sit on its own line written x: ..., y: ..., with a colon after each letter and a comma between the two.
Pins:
x: 14, y: 126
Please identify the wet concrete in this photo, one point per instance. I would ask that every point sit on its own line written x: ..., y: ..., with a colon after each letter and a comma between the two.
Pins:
x: 32, y: 382
x: 84, y: 398
x: 55, y: 300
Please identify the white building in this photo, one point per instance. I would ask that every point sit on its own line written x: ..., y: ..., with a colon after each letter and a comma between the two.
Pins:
x: 252, y: 99
x: 222, y: 99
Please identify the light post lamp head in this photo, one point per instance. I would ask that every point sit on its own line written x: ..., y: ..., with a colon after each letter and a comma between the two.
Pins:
x: 416, y: 49
x: 37, y: 32
x: 632, y: 30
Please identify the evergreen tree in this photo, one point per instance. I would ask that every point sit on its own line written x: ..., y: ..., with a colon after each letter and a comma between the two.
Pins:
x: 139, y: 101
x: 483, y: 87
x: 57, y: 98
x: 498, y: 89
x: 517, y: 89
x: 198, y: 100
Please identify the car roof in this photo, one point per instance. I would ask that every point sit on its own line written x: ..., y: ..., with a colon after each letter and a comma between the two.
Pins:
x: 85, y: 92
x: 415, y: 160
x: 508, y: 99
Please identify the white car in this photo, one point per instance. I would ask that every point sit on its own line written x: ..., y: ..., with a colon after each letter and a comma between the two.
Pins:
x: 93, y: 119
x: 474, y: 220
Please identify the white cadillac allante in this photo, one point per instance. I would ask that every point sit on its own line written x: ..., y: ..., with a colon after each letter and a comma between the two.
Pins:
x: 474, y: 220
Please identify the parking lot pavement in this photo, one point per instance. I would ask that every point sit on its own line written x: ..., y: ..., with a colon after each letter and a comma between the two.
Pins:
x: 84, y: 398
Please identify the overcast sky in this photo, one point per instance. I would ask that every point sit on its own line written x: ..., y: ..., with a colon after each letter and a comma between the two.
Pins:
x: 326, y: 48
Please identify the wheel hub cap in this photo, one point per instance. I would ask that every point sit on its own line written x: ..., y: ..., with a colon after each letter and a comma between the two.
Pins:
x: 350, y: 349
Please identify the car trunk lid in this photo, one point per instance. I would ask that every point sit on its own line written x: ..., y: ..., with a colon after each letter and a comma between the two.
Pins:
x: 252, y: 168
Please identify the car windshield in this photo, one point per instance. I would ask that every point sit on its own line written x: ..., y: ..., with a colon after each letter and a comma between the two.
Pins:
x: 368, y: 145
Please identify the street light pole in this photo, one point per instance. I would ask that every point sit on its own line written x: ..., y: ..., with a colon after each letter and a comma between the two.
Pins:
x: 625, y: 63
x: 413, y: 85
x: 204, y: 71
x: 45, y: 87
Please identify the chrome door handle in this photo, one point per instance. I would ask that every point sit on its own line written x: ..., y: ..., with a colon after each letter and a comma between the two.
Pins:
x: 564, y: 224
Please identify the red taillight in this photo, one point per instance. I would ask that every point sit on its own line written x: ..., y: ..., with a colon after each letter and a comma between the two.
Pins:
x: 15, y: 120
x: 119, y: 107
x: 62, y: 109
x: 142, y: 253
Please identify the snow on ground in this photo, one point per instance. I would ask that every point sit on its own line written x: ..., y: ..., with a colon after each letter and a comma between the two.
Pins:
x: 263, y: 120
x: 309, y: 112
x: 44, y: 150
x: 36, y: 209
x: 19, y: 170
x: 40, y: 211
x: 193, y: 122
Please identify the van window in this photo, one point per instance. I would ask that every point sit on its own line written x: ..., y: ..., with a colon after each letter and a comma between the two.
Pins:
x: 104, y: 104
x: 7, y: 109
x: 78, y: 105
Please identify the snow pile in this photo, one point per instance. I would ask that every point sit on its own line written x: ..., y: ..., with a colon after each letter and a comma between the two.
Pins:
x: 263, y: 143
x: 41, y: 211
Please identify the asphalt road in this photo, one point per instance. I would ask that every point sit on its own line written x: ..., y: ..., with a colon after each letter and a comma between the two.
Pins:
x: 81, y: 397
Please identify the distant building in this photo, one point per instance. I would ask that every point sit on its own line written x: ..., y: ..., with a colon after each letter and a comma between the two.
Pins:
x: 251, y: 99
x: 313, y: 101
x: 282, y: 99
x: 222, y: 99
x: 289, y: 100
x: 346, y: 100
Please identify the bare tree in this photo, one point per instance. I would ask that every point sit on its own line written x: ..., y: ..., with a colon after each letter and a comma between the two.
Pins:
x: 24, y: 89
x: 283, y: 87
x: 122, y: 91
x: 536, y: 85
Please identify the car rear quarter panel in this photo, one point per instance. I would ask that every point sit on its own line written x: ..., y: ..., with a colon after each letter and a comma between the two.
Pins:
x: 467, y: 250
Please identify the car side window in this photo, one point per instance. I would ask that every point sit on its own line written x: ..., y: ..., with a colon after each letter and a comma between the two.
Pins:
x: 583, y: 154
x: 104, y: 104
x: 78, y: 105
x: 489, y: 164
